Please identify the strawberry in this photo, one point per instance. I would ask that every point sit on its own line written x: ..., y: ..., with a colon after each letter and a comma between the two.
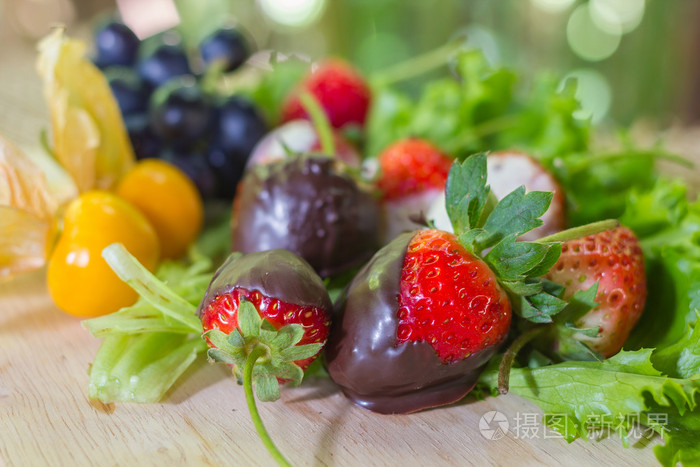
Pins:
x: 310, y: 205
x: 413, y: 173
x: 341, y: 90
x: 267, y: 315
x: 440, y: 276
x: 222, y: 314
x: 508, y: 170
x: 282, y: 288
x: 418, y: 322
x: 614, y: 260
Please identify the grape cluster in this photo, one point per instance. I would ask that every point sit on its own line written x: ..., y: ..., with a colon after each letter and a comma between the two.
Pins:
x: 168, y: 115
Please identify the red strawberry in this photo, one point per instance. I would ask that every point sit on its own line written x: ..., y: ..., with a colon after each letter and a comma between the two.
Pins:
x: 281, y: 286
x: 339, y: 88
x: 411, y: 166
x: 222, y: 314
x: 412, y: 175
x: 614, y: 259
x: 449, y: 298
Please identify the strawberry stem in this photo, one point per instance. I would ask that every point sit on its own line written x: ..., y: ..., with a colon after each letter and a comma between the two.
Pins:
x: 581, y: 231
x: 415, y: 66
x: 320, y: 122
x: 511, y: 353
x: 212, y: 76
x: 257, y: 352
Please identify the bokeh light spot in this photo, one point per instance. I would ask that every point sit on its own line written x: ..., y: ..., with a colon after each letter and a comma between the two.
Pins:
x: 593, y: 91
x: 294, y: 13
x: 587, y: 40
x: 610, y: 15
x: 553, y: 6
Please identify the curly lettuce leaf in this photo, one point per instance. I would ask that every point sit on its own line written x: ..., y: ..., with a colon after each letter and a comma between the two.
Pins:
x: 681, y: 439
x: 546, y: 123
x: 682, y: 358
x: 621, y: 387
x: 482, y: 110
x: 669, y: 230
x: 649, y: 211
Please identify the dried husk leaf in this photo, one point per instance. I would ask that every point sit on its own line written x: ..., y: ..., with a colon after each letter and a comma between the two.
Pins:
x: 23, y: 185
x: 27, y: 210
x: 23, y: 241
x: 89, y: 137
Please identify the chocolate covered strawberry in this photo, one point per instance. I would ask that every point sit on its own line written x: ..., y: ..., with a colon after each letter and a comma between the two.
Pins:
x: 300, y: 137
x: 612, y: 259
x: 310, y: 205
x: 267, y: 315
x: 420, y: 320
x: 340, y: 89
x: 412, y: 176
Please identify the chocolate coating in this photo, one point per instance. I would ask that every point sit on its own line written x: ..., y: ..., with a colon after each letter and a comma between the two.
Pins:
x: 362, y: 355
x: 308, y: 206
x: 275, y: 273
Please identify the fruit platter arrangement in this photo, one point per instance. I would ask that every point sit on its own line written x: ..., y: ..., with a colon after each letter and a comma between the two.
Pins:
x: 305, y: 224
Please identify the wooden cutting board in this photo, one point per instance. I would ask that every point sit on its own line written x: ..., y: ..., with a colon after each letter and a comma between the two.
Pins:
x: 47, y: 419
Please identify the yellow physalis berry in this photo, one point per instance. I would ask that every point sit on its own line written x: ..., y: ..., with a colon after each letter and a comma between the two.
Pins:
x: 169, y: 200
x: 79, y: 280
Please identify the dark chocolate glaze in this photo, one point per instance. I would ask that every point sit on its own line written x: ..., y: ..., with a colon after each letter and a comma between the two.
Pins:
x: 362, y: 355
x: 274, y: 273
x: 307, y: 205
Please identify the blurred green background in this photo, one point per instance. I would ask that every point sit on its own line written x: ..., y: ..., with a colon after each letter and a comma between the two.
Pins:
x: 635, y: 59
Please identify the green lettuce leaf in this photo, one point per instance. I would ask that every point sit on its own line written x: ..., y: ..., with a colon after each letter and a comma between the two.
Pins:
x: 681, y: 437
x: 545, y: 122
x: 672, y: 262
x: 682, y: 358
x: 482, y: 110
x: 150, y: 344
x: 585, y: 393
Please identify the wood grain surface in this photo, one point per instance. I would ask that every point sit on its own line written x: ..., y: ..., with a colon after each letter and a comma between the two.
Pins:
x: 47, y: 419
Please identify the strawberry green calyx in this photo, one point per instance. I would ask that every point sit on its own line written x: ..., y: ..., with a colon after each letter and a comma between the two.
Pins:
x: 279, y: 351
x: 482, y: 223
